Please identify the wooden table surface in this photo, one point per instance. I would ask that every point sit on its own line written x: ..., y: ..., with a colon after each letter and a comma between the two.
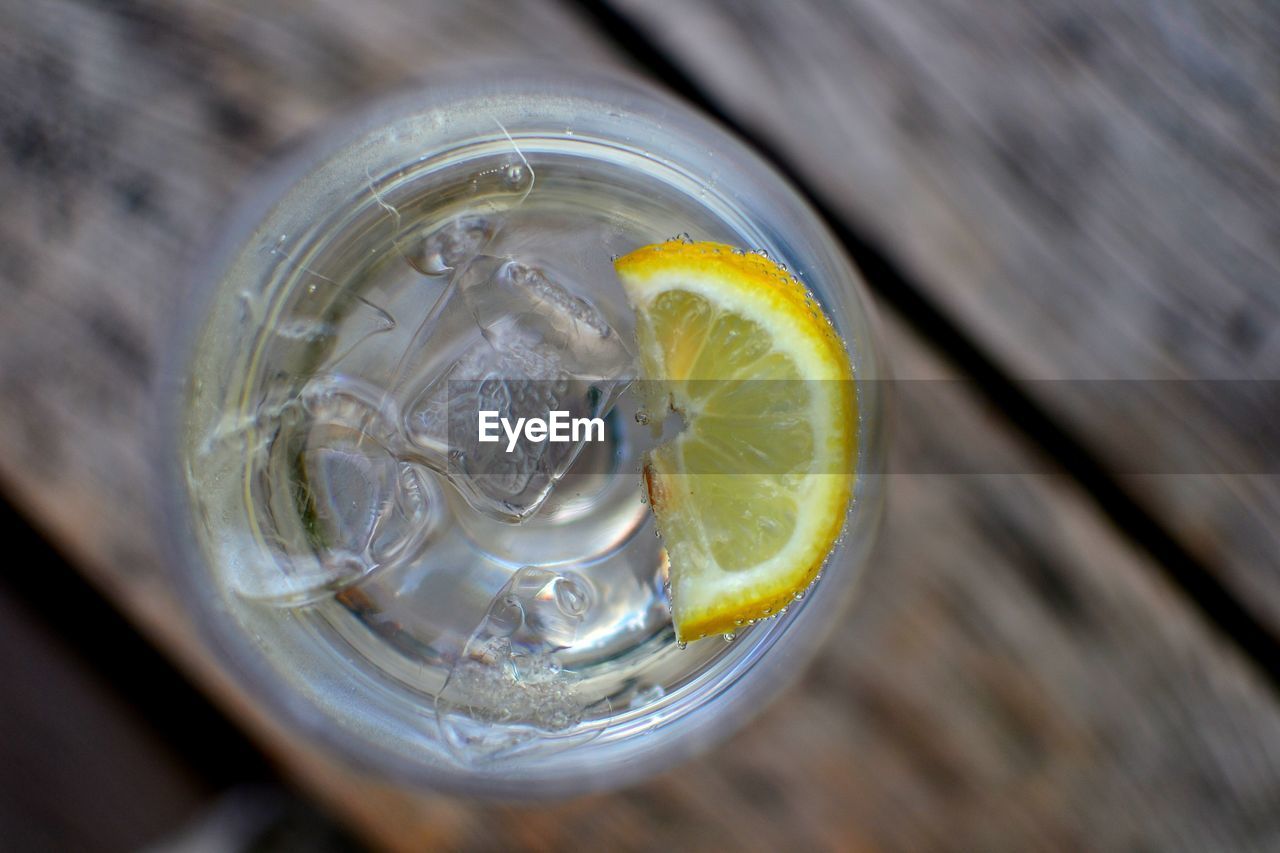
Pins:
x: 1084, y: 657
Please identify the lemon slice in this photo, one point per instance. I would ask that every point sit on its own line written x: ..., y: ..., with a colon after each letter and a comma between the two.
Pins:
x: 751, y: 495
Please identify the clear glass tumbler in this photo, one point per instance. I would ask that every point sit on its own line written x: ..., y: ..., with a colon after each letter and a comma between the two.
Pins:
x: 346, y: 582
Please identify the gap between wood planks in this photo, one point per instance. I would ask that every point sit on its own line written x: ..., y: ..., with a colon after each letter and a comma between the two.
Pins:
x: 896, y: 288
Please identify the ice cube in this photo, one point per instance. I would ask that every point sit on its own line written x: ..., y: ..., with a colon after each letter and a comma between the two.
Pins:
x: 538, y: 608
x: 451, y: 245
x: 508, y: 338
x: 508, y: 688
x: 514, y: 303
x: 332, y: 502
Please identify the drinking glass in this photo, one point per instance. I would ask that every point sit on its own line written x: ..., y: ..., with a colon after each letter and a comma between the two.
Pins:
x: 441, y: 633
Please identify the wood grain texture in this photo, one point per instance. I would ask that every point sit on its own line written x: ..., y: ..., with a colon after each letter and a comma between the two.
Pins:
x: 1013, y: 677
x: 1089, y: 188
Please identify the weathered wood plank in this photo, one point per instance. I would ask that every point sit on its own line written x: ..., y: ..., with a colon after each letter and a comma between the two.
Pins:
x: 1090, y: 188
x: 1013, y: 677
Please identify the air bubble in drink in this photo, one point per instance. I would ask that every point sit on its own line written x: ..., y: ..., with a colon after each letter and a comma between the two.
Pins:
x: 514, y: 175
